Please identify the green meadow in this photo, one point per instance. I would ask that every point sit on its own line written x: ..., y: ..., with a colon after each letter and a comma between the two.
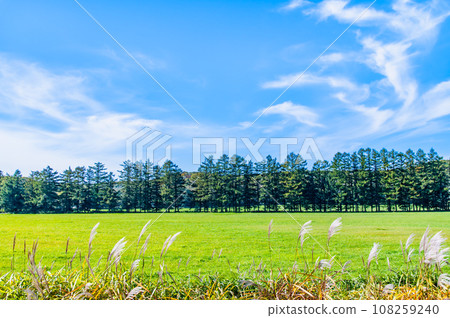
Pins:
x: 241, y: 239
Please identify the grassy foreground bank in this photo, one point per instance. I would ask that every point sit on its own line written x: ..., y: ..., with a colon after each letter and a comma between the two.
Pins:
x: 241, y: 238
x: 215, y: 256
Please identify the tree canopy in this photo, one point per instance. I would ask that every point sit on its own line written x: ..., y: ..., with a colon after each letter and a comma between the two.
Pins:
x: 363, y: 181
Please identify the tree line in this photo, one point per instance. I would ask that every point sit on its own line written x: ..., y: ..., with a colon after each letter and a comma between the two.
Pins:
x: 363, y: 181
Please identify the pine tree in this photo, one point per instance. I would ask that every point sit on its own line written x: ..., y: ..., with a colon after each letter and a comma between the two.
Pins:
x: 207, y: 185
x: 293, y: 181
x: 363, y: 180
x: 32, y: 188
x: 49, y: 187
x: 99, y: 185
x: 249, y: 188
x: 80, y: 189
x: 173, y: 186
x: 137, y: 185
x: 338, y: 174
x: 12, y: 193
x: 67, y: 196
x: 146, y: 183
x: 271, y: 192
x: 156, y: 189
x: 126, y: 185
x: 111, y: 194
x: 236, y: 186
x: 377, y: 190
x: 222, y: 189
x: 412, y: 183
x: 439, y: 182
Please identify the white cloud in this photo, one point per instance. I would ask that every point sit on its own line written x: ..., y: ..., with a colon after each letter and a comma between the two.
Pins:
x: 433, y: 104
x: 300, y: 113
x: 410, y: 19
x: 332, y: 58
x: 340, y: 10
x: 27, y: 87
x: 375, y: 117
x: 390, y: 40
x: 393, y: 61
x: 308, y: 79
x: 51, y: 118
x: 294, y: 4
x: 418, y: 21
x: 347, y: 89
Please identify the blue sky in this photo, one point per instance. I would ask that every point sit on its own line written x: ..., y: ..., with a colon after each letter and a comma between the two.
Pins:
x: 70, y: 95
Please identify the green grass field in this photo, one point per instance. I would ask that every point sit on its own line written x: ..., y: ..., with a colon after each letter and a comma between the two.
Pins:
x: 242, y: 237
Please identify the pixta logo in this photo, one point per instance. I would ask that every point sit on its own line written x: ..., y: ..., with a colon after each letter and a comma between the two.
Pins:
x: 149, y: 144
x: 203, y: 147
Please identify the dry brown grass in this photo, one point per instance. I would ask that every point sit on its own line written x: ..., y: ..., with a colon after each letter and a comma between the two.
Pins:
x: 422, y: 277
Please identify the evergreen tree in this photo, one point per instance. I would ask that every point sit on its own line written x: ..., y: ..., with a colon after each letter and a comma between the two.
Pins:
x: 207, y: 185
x: 293, y: 181
x: 156, y: 189
x: 32, y: 188
x: 99, y: 185
x: 271, y: 192
x: 126, y: 186
x: 365, y: 179
x: 12, y: 193
x: 80, y: 189
x: 111, y: 195
x: 173, y: 186
x: 49, y: 186
x: 146, y: 186
x: 250, y: 193
x: 67, y: 196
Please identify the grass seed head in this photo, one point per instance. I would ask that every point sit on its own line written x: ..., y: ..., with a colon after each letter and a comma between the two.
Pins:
x: 434, y: 252
x: 424, y: 240
x: 134, y: 266
x: 93, y: 233
x: 409, y: 241
x: 335, y: 227
x: 388, y: 288
x: 410, y: 254
x: 345, y: 266
x: 373, y: 255
x: 306, y: 228
x: 145, y: 245
x: 270, y: 228
x: 444, y: 281
x: 144, y: 229
x: 169, y: 241
x: 116, y: 252
x: 325, y: 264
x: 134, y: 292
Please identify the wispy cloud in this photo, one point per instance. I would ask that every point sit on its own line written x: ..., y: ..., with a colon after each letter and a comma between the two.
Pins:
x: 54, y: 118
x: 410, y: 19
x: 332, y: 58
x: 390, y: 40
x: 376, y: 117
x: 393, y: 61
x: 345, y: 87
x: 340, y: 10
x: 52, y: 115
x: 309, y: 79
x: 294, y: 4
x: 28, y: 87
x: 299, y: 113
x: 433, y: 104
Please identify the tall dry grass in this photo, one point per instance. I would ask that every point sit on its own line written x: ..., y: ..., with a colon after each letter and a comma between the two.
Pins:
x: 311, y: 277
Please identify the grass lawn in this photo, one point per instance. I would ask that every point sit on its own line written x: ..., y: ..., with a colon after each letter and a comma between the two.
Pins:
x: 241, y: 237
